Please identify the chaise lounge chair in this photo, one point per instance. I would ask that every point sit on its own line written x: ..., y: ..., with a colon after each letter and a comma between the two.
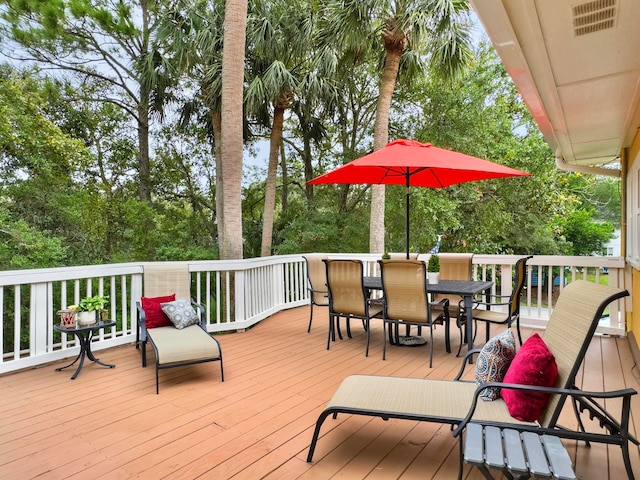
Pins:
x: 568, y: 334
x: 182, y: 339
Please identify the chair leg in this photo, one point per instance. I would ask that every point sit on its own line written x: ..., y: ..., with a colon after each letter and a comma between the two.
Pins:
x: 461, y: 460
x: 349, y: 327
x: 310, y: 318
x: 430, y: 345
x: 144, y: 353
x: 384, y: 338
x: 463, y: 334
x: 332, y: 333
x: 447, y: 335
x: 366, y: 353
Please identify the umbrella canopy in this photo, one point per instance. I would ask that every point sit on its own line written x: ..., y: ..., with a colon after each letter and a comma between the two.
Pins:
x: 411, y: 163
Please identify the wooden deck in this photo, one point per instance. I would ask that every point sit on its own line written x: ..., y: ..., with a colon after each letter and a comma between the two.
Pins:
x: 109, y: 423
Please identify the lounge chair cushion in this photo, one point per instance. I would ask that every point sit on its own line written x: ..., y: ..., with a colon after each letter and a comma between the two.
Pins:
x: 154, y: 316
x: 180, y: 313
x: 534, y: 364
x: 493, y: 361
x: 188, y: 345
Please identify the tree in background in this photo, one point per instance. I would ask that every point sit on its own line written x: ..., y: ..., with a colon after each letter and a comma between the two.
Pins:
x: 235, y: 20
x: 37, y: 163
x: 104, y: 40
x: 402, y: 30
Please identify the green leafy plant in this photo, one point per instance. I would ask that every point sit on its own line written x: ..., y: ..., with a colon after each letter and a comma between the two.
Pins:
x: 434, y: 263
x: 89, y: 304
x: 386, y: 256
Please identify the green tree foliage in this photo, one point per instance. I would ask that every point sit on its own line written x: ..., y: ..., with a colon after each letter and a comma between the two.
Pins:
x: 481, y: 114
x: 105, y: 40
x: 69, y: 190
x: 37, y: 161
x: 585, y: 236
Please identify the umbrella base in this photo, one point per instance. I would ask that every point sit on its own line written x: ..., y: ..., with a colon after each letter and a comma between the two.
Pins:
x: 411, y: 341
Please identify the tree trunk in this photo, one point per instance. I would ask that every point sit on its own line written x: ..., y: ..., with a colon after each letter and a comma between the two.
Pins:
x: 144, y: 170
x: 232, y: 83
x: 216, y: 122
x: 270, y: 191
x: 285, y: 179
x: 308, y: 166
x: 380, y: 139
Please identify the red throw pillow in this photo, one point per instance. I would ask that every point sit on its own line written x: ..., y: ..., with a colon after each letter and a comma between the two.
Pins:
x: 154, y: 315
x: 533, y: 364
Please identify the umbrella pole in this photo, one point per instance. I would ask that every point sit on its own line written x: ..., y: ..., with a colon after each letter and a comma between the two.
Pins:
x: 407, y: 210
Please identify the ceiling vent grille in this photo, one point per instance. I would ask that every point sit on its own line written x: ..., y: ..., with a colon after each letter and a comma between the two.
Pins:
x: 594, y: 16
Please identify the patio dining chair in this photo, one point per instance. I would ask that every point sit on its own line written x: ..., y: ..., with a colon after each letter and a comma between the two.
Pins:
x: 349, y: 298
x: 453, y: 266
x: 406, y: 300
x: 317, y: 278
x: 503, y: 309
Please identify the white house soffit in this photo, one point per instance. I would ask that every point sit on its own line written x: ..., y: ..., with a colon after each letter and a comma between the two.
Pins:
x: 499, y: 22
x: 577, y: 67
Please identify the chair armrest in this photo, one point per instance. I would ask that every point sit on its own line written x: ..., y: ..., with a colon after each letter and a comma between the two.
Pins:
x: 444, y: 303
x: 586, y: 400
x: 200, y: 309
x: 142, y: 322
x: 497, y: 300
x: 465, y: 362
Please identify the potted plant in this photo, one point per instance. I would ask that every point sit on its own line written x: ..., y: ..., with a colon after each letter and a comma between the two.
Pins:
x: 87, y: 308
x: 433, y: 268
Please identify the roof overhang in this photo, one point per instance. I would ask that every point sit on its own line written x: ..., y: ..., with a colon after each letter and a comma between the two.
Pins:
x: 577, y: 67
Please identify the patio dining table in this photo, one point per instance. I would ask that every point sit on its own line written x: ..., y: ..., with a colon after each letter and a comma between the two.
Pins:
x: 467, y: 289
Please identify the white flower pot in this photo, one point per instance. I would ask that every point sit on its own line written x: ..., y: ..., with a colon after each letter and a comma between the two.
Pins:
x: 87, y: 318
x: 432, y: 277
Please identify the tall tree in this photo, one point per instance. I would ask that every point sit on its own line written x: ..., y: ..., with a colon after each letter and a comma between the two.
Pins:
x: 105, y: 39
x: 402, y: 30
x: 235, y: 20
x: 280, y: 36
x: 191, y: 39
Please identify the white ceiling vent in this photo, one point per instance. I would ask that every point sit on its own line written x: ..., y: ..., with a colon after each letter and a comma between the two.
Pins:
x: 594, y: 16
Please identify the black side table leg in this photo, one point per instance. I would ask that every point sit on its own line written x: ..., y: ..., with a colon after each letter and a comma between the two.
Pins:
x: 90, y: 353
x: 80, y: 356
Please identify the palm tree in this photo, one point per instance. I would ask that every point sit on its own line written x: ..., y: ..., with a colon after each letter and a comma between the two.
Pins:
x: 406, y: 32
x: 235, y: 19
x: 280, y: 35
x: 191, y: 38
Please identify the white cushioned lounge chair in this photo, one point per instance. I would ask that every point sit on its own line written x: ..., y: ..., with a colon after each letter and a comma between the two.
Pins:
x: 174, y: 347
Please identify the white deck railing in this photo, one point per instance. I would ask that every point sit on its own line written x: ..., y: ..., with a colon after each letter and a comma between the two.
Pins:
x: 239, y: 294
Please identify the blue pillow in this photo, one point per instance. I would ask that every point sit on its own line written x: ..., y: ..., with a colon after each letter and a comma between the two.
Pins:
x: 181, y: 313
x: 493, y: 362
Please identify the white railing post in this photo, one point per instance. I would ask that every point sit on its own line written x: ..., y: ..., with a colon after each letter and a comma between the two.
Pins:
x: 38, y: 318
x: 240, y: 291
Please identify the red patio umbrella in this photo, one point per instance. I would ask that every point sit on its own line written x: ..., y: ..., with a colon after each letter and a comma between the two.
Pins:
x: 411, y: 163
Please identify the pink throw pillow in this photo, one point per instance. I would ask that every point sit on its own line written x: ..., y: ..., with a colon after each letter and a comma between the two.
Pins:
x: 533, y: 364
x: 154, y: 315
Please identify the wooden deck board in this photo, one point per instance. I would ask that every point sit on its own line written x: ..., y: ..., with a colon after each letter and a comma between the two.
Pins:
x: 110, y: 424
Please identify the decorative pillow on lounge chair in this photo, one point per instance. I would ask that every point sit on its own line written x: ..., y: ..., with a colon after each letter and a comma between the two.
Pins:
x: 154, y: 316
x: 534, y: 364
x: 493, y: 361
x: 181, y: 313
